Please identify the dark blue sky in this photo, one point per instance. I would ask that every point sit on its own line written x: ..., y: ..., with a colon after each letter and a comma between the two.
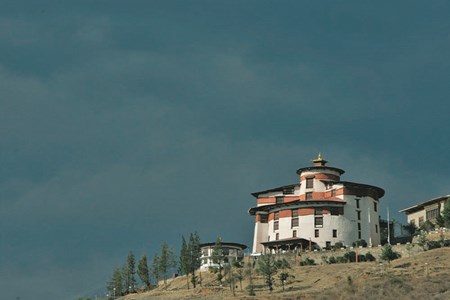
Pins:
x: 127, y: 123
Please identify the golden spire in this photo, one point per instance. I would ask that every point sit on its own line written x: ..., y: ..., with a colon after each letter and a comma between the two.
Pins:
x: 319, y: 161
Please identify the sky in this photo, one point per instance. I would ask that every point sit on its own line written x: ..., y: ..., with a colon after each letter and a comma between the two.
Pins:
x: 124, y: 124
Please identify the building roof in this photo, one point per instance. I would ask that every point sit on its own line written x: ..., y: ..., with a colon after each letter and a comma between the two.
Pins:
x: 280, y: 188
x: 420, y: 206
x: 380, y: 192
x: 298, y: 204
x: 237, y: 245
x: 320, y: 168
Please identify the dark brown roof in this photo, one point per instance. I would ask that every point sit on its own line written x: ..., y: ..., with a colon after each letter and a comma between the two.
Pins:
x: 420, y: 206
x: 298, y: 203
x: 281, y: 188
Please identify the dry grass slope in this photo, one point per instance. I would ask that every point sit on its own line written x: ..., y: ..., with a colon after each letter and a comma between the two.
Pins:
x: 422, y: 276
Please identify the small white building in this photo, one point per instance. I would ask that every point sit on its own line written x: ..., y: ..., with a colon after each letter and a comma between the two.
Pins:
x: 233, y: 252
x: 318, y: 211
x: 425, y: 211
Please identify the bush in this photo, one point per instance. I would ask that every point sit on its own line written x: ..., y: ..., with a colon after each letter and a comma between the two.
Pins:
x: 307, y: 262
x: 350, y: 256
x: 388, y: 254
x: 341, y: 260
x: 338, y: 245
x: 359, y: 243
x: 370, y: 257
x: 332, y: 260
x: 361, y: 257
x: 433, y: 244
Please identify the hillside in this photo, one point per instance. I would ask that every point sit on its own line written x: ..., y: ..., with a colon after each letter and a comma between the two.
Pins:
x: 424, y: 275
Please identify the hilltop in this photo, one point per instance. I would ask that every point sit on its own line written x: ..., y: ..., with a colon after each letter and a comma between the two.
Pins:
x: 422, y: 275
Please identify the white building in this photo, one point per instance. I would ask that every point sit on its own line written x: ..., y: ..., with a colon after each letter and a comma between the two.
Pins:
x: 233, y: 252
x: 425, y: 211
x: 319, y: 211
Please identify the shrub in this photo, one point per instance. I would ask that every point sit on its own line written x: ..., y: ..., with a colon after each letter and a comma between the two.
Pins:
x: 350, y: 256
x: 360, y: 243
x: 361, y: 257
x: 338, y: 245
x: 370, y: 257
x: 307, y: 262
x: 332, y: 260
x: 341, y: 260
x: 433, y: 244
x: 388, y: 254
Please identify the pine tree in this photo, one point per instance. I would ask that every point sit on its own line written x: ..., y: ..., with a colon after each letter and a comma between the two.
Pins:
x: 268, y: 268
x: 166, y: 262
x: 130, y: 271
x: 116, y: 285
x: 143, y: 271
x: 218, y: 257
x: 195, y: 253
x: 284, y: 265
x: 184, y: 267
x: 155, y: 268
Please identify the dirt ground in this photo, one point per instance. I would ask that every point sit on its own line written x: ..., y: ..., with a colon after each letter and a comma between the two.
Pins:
x: 422, y: 276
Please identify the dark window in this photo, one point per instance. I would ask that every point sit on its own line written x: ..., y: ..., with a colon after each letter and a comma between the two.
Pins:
x: 376, y: 228
x: 420, y: 221
x: 357, y: 203
x: 277, y: 236
x: 359, y: 215
x: 295, y: 213
x: 279, y: 199
x: 432, y: 214
x: 359, y: 226
x: 276, y: 215
x: 294, y: 222
x: 309, y: 196
x: 375, y: 206
x: 309, y: 183
x: 334, y: 233
x: 334, y: 211
x: 318, y: 221
x: 294, y: 233
x: 288, y: 191
x: 318, y: 211
x: 263, y: 218
x: 359, y: 235
x: 316, y: 233
x: 333, y: 193
x: 412, y: 222
x: 276, y: 225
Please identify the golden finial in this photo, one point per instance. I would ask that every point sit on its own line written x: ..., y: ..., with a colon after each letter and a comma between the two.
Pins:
x: 319, y: 161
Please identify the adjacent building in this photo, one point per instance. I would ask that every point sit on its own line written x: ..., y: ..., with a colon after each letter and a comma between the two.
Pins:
x: 318, y: 211
x: 425, y: 211
x: 233, y: 251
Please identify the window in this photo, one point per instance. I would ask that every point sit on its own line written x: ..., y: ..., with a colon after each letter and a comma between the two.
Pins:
x: 294, y: 233
x: 294, y: 222
x: 279, y: 199
x: 420, y: 221
x: 318, y: 222
x: 333, y: 193
x: 412, y: 222
x: 375, y: 206
x: 276, y: 225
x: 357, y: 203
x: 359, y: 215
x: 432, y: 214
x: 376, y: 228
x: 277, y: 236
x: 316, y: 233
x: 335, y: 233
x: 263, y: 218
x: 359, y: 235
x: 276, y: 215
x: 309, y: 196
x: 359, y: 226
x: 288, y: 190
x: 309, y: 183
x: 334, y: 211
x: 318, y: 211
